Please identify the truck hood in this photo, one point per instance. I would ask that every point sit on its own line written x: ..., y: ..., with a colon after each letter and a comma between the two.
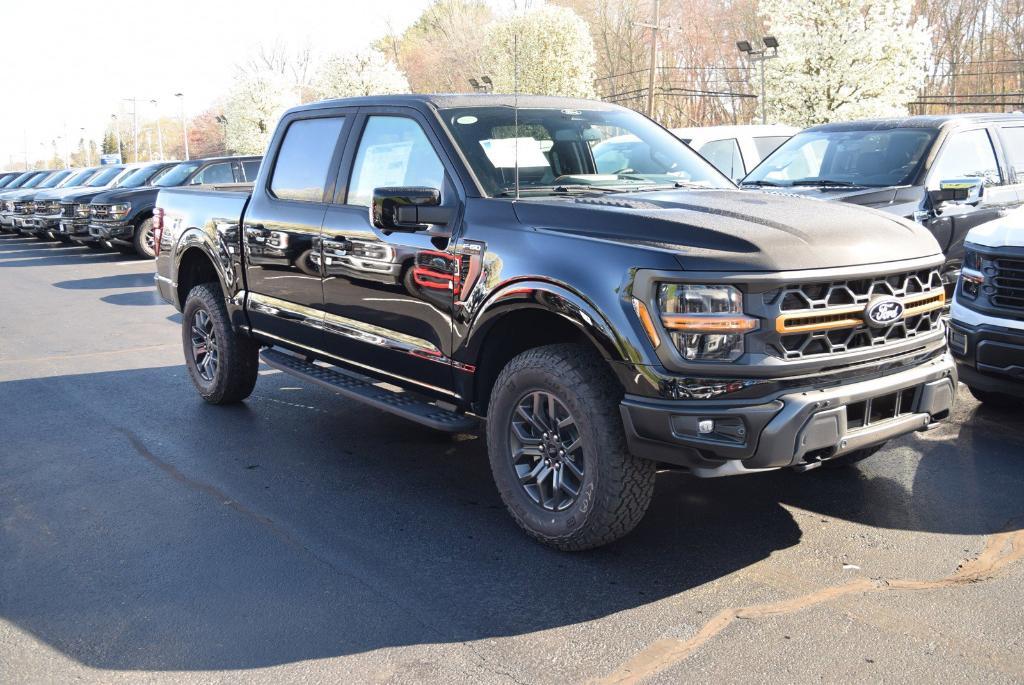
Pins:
x: 1006, y: 231
x: 119, y: 195
x: 734, y: 230
x: 21, y: 194
x: 866, y: 197
x: 79, y: 194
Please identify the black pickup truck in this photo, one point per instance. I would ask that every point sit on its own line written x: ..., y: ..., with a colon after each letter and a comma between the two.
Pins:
x: 454, y: 259
x: 124, y: 216
x: 950, y: 173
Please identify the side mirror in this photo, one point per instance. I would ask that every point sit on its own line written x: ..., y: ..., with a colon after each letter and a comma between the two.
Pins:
x: 408, y: 209
x: 958, y: 191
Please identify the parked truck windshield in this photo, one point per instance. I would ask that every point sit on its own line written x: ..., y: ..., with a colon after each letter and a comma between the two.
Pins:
x: 865, y: 158
x: 177, y: 175
x: 610, y: 150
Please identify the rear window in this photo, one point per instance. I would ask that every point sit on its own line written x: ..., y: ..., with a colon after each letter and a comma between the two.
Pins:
x: 304, y: 160
x: 765, y: 145
x: 1013, y: 142
x: 250, y: 170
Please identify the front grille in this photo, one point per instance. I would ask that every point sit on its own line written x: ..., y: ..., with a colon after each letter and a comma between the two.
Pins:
x: 99, y: 211
x: 1009, y: 283
x: 822, y: 318
x: 22, y: 207
x: 48, y: 208
x: 67, y: 210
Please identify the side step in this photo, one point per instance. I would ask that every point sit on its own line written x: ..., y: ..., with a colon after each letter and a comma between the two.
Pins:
x: 350, y: 385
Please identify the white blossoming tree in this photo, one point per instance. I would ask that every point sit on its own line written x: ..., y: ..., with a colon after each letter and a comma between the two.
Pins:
x: 555, y: 53
x: 255, y: 103
x: 843, y: 59
x: 360, y: 73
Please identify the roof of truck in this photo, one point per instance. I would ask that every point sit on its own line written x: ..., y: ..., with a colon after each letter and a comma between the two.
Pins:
x: 920, y: 121
x: 454, y: 100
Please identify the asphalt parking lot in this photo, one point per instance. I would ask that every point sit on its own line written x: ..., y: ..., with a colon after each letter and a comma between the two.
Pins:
x: 146, y: 536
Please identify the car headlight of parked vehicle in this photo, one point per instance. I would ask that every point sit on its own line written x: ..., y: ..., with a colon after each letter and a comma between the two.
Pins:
x: 119, y: 211
x: 704, y: 322
x: 973, y: 274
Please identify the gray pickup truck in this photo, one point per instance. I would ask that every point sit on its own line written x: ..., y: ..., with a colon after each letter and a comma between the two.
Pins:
x: 466, y: 259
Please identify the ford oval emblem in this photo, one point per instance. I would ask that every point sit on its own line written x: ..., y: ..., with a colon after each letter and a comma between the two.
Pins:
x: 883, y: 311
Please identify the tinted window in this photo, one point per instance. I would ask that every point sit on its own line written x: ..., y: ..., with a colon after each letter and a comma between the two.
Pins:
x: 865, y: 158
x: 765, y: 145
x: 215, y: 173
x: 35, y: 181
x: 725, y: 155
x: 968, y: 154
x: 139, y: 177
x: 1013, y: 143
x: 54, y: 179
x: 104, y: 177
x: 177, y: 175
x: 250, y: 170
x: 20, y: 181
x: 80, y: 177
x: 394, y: 151
x: 304, y: 160
x: 7, y: 178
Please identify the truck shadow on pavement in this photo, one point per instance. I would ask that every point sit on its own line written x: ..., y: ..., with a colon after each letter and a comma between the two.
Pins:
x: 146, y: 530
x: 137, y: 280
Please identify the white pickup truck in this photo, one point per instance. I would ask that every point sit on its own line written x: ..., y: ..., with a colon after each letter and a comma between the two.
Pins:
x: 986, y: 333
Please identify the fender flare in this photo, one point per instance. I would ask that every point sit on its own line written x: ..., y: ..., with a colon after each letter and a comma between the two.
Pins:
x: 551, y: 297
x: 195, y: 238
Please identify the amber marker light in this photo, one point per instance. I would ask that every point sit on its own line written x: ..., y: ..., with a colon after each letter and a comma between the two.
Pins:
x: 645, y: 320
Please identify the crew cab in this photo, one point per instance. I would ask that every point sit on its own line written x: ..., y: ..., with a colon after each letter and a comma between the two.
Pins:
x: 124, y: 216
x: 986, y: 332
x: 950, y: 173
x: 463, y: 258
x: 21, y: 203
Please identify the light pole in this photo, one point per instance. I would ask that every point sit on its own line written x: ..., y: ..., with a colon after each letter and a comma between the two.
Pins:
x: 223, y: 121
x: 159, y: 132
x: 135, y: 123
x: 117, y: 127
x: 759, y: 56
x: 184, y: 123
x: 85, y: 144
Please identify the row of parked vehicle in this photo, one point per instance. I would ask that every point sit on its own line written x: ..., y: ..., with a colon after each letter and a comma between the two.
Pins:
x: 108, y: 206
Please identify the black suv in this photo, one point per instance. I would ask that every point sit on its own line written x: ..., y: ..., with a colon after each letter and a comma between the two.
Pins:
x: 124, y: 216
x: 949, y: 173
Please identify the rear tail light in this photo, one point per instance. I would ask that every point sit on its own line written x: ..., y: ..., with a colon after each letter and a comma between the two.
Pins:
x: 158, y: 229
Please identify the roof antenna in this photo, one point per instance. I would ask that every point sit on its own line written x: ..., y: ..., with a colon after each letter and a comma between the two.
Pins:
x: 515, y: 103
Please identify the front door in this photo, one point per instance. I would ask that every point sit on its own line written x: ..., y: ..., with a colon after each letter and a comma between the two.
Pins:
x: 281, y: 231
x: 388, y: 296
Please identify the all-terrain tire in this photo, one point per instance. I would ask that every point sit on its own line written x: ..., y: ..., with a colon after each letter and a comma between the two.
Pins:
x: 237, y: 356
x: 616, y: 487
x: 140, y: 241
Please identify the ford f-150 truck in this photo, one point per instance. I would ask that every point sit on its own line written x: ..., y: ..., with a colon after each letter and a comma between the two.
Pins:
x: 986, y: 333
x: 465, y: 258
x: 124, y: 216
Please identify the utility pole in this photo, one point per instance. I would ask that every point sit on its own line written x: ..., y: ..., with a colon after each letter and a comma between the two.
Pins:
x: 652, y: 76
x: 184, y: 123
x: 135, y: 122
x: 24, y: 141
x: 120, y: 145
x: 85, y: 145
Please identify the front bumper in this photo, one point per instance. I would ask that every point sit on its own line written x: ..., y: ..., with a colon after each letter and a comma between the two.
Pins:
x: 799, y: 427
x: 989, y: 357
x: 76, y: 229
x: 117, y: 232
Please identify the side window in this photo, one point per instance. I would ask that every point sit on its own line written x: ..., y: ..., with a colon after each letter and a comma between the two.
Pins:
x: 394, y: 151
x: 968, y: 154
x: 250, y: 170
x: 1013, y: 144
x: 304, y: 160
x: 725, y: 155
x: 215, y: 173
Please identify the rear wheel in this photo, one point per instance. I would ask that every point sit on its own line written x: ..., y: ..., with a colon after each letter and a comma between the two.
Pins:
x: 222, y: 364
x: 558, y: 452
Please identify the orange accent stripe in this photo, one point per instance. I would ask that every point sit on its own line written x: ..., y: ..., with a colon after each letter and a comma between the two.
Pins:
x: 709, y: 323
x: 850, y: 317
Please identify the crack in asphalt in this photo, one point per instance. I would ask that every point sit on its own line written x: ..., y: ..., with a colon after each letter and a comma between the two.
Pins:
x: 1001, y: 550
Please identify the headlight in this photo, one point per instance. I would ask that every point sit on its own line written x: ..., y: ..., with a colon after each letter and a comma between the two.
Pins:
x: 972, y: 260
x: 81, y: 210
x: 705, y: 322
x: 119, y: 211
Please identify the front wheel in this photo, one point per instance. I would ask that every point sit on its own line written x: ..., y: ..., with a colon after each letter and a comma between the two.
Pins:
x: 144, y: 241
x: 222, y: 364
x: 558, y: 451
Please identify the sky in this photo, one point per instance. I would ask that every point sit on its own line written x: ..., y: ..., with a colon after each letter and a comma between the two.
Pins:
x: 93, y: 54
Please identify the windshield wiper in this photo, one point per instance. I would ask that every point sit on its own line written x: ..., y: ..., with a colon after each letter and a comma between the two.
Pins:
x: 761, y: 183
x: 826, y: 182
x: 562, y: 189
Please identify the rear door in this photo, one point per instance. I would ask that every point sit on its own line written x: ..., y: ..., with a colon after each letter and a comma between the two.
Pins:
x: 388, y: 296
x: 281, y: 227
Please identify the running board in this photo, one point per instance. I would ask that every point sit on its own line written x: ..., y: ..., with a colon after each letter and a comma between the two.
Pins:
x: 357, y: 388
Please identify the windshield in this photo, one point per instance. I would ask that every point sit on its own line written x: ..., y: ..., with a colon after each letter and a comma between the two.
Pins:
x: 859, y: 158
x: 606, y: 150
x: 20, y: 181
x: 79, y: 178
x: 54, y: 179
x: 139, y: 177
x: 7, y: 179
x: 104, y: 177
x: 35, y: 180
x: 177, y: 175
